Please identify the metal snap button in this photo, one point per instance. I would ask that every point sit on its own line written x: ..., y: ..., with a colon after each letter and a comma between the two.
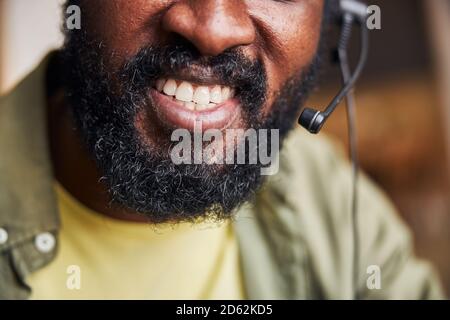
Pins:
x: 3, y: 236
x: 45, y: 242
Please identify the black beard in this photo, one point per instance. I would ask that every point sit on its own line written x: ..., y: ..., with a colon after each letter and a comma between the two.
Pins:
x: 143, y: 178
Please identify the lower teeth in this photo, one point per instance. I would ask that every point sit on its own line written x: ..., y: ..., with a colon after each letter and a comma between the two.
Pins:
x: 193, y: 105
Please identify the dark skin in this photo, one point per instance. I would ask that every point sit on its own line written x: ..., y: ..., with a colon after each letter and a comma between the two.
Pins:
x: 284, y: 35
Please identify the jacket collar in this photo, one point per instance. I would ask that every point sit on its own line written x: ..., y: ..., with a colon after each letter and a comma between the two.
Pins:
x: 27, y: 200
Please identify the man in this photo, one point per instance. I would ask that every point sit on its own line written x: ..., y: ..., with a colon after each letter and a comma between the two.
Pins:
x: 93, y: 205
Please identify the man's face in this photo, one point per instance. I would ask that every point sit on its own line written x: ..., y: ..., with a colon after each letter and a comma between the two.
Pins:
x: 141, y: 69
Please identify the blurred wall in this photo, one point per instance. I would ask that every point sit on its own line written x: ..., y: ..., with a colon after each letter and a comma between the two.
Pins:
x: 28, y: 30
x: 439, y: 21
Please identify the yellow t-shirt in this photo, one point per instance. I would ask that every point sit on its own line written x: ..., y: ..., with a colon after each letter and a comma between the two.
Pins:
x: 103, y: 258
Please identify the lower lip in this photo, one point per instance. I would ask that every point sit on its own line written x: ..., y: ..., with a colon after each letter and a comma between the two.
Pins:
x: 175, y: 115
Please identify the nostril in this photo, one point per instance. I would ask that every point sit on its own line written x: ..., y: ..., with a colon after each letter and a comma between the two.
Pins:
x: 184, y: 44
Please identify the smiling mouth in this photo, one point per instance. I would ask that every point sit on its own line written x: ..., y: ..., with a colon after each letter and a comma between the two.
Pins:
x: 185, y: 104
x: 194, y: 97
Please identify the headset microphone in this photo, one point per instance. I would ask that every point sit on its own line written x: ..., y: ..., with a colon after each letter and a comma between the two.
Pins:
x: 353, y: 12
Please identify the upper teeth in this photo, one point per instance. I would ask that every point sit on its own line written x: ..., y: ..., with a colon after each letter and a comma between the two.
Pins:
x: 194, y: 97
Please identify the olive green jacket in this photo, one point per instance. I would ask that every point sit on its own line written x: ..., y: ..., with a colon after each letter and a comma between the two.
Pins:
x: 295, y: 238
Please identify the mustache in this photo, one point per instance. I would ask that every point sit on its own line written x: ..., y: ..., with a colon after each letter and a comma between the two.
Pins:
x: 231, y: 68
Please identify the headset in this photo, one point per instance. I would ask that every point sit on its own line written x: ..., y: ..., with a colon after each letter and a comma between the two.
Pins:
x: 352, y: 12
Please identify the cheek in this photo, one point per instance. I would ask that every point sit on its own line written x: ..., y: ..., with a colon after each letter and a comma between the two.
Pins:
x: 121, y: 26
x: 294, y: 45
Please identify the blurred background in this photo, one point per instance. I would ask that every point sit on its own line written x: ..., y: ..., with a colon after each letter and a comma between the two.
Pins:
x: 403, y: 104
x: 403, y: 108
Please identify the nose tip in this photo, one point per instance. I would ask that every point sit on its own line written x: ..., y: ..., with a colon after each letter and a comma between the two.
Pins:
x: 212, y: 26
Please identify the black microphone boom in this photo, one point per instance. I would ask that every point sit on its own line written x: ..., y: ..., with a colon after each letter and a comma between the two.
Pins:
x: 312, y: 119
